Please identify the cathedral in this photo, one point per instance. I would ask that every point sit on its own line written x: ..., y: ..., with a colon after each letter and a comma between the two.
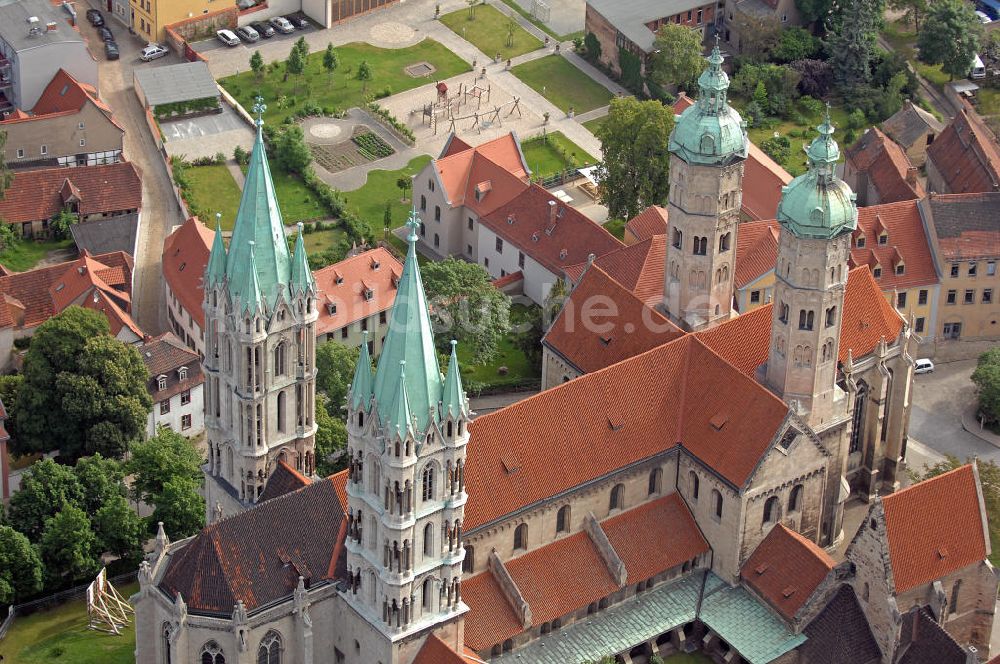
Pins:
x: 683, y: 498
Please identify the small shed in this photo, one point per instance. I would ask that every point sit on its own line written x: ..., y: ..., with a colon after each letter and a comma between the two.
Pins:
x: 176, y: 89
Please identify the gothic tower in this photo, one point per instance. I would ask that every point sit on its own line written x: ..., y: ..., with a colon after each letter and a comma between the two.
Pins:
x: 817, y: 215
x: 708, y: 147
x: 407, y: 432
x: 260, y: 317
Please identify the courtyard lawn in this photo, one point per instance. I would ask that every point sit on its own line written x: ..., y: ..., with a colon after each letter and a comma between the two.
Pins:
x: 369, y: 201
x: 26, y: 254
x: 318, y: 242
x: 553, y: 153
x: 61, y: 635
x: 519, y: 370
x: 345, y: 91
x: 298, y: 202
x: 487, y: 29
x: 212, y: 190
x: 594, y: 125
x: 556, y: 79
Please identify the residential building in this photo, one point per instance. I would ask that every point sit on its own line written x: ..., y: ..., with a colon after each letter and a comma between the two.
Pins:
x: 966, y: 243
x: 964, y: 158
x: 37, y: 39
x: 647, y: 224
x: 631, y: 26
x: 149, y: 18
x: 355, y: 296
x: 746, y: 16
x: 185, y: 257
x: 69, y: 126
x: 88, y: 192
x: 176, y: 384
x: 878, y: 170
x: 913, y: 129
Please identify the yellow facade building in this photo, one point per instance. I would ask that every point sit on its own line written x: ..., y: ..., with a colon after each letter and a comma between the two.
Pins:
x: 150, y: 17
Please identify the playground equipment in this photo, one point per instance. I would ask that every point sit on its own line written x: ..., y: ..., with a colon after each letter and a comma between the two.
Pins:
x: 448, y: 108
x: 107, y: 610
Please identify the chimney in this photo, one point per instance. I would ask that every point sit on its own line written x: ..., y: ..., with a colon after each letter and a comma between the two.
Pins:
x: 552, y: 218
x: 911, y: 176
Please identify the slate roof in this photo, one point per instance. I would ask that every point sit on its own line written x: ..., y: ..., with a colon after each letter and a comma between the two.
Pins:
x: 284, y: 479
x: 376, y: 269
x: 164, y: 356
x: 966, y: 154
x: 935, y: 527
x: 924, y: 641
x: 37, y: 195
x: 840, y: 633
x: 906, y: 245
x: 966, y: 224
x: 651, y: 221
x: 910, y: 124
x: 638, y: 267
x: 785, y: 569
x: 174, y: 83
x: 630, y: 18
x: 185, y: 255
x: 101, y: 236
x: 257, y: 556
x: 887, y: 167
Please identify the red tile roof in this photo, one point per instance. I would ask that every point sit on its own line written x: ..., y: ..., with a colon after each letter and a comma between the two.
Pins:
x: 63, y: 93
x: 342, y: 287
x: 935, y: 527
x: 452, y: 145
x: 886, y: 166
x: 616, y: 416
x: 603, y: 323
x: 490, y: 619
x: 185, y: 256
x: 638, y: 267
x: 665, y: 521
x: 763, y: 179
x: 164, y: 356
x: 284, y: 479
x: 756, y: 250
x: 36, y: 195
x: 495, y: 167
x: 906, y: 244
x: 651, y: 221
x: 436, y: 651
x: 966, y: 155
x: 785, y: 569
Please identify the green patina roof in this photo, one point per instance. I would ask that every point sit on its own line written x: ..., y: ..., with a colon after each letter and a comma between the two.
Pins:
x: 361, y: 386
x: 302, y: 277
x: 215, y: 272
x: 250, y: 297
x: 454, y: 401
x: 259, y: 220
x: 818, y: 204
x: 710, y: 131
x: 409, y: 339
x: 398, y: 417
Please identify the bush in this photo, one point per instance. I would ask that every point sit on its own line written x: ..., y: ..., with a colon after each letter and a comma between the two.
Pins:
x: 814, y: 107
x: 241, y: 156
x: 383, y: 93
x: 778, y: 148
x: 387, y: 118
x: 593, y: 47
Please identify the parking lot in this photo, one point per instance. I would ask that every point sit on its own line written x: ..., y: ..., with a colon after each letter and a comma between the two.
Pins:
x: 213, y: 44
x: 206, y: 135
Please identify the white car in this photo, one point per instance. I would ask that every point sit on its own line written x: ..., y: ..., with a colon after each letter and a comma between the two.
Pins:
x: 983, y: 17
x: 282, y: 24
x: 923, y: 366
x: 228, y: 37
x: 152, y: 52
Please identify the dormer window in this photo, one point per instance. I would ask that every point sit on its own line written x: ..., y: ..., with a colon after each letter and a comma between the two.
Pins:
x: 883, y: 239
x: 877, y: 272
x: 339, y: 280
x: 562, y: 254
x: 900, y: 269
x: 182, y: 373
x: 375, y: 264
x: 860, y: 242
x: 368, y: 293
x: 331, y: 308
x: 161, y: 382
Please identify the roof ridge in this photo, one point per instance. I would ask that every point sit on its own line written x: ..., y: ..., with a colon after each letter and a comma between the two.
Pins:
x: 902, y: 492
x: 219, y: 558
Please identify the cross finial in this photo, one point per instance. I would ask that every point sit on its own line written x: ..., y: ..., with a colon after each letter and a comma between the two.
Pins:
x: 259, y: 107
x: 218, y: 221
x: 414, y: 224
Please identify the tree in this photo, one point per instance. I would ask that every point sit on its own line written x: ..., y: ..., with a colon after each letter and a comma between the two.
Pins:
x: 69, y: 547
x: 796, y: 43
x: 119, y: 529
x: 335, y: 364
x: 102, y: 480
x: 852, y: 45
x: 59, y: 224
x: 677, y: 60
x: 986, y: 378
x: 405, y: 183
x: 20, y: 567
x: 330, y: 60
x: 813, y: 11
x: 257, y: 64
x: 8, y: 238
x: 815, y: 76
x: 167, y: 455
x: 511, y: 30
x: 365, y: 74
x: 387, y: 219
x: 759, y: 36
x: 472, y: 8
x: 951, y: 37
x: 10, y: 384
x: 295, y: 64
x: 302, y: 47
x: 180, y: 507
x: 634, y: 172
x: 46, y: 487
x: 291, y: 150
x: 466, y: 307
x: 777, y: 148
x: 780, y: 87
x: 6, y: 176
x: 914, y: 10
x: 529, y: 336
x: 331, y: 439
x: 593, y: 47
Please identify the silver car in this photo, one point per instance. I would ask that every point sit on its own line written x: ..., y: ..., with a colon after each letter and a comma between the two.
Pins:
x: 282, y: 24
x: 228, y: 37
x: 152, y: 52
x: 247, y: 34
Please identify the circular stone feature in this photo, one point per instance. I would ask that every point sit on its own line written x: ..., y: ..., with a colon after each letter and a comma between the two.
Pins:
x: 325, y: 130
x: 392, y: 33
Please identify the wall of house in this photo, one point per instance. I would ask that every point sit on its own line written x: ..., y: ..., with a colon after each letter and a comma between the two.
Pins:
x: 555, y: 370
x: 924, y: 315
x: 151, y: 19
x: 183, y: 324
x: 61, y: 135
x: 918, y: 151
x: 538, y: 281
x: 721, y: 532
x: 443, y: 235
x: 870, y: 555
x: 352, y: 334
x: 34, y: 68
x: 177, y: 411
x: 606, y: 34
x: 979, y: 319
x: 273, y: 8
x: 763, y: 285
x: 935, y: 181
x: 319, y: 11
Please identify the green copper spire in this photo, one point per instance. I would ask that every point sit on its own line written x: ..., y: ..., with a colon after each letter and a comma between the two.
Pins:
x: 250, y: 297
x: 399, y: 417
x: 409, y: 338
x: 453, y: 401
x: 361, y: 386
x: 710, y: 131
x: 215, y: 272
x: 818, y: 204
x: 302, y: 277
x: 259, y: 219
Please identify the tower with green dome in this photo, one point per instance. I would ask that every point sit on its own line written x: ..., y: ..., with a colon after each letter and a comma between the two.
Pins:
x: 817, y: 213
x: 259, y: 365
x: 708, y: 148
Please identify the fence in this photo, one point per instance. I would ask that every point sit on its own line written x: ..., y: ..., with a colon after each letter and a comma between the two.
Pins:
x: 563, y: 177
x: 49, y: 601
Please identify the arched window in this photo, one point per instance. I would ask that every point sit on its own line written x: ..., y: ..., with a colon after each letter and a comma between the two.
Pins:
x: 655, y: 480
x: 281, y: 411
x: 269, y: 651
x: 771, y: 510
x: 795, y: 499
x: 521, y: 537
x: 429, y: 540
x: 423, y: 203
x: 831, y: 316
x: 427, y: 593
x: 860, y: 401
x: 562, y: 519
x: 866, y: 593
x: 695, y: 484
x: 469, y: 562
x: 279, y: 359
x: 229, y: 464
x: 678, y: 238
x: 427, y: 482
x: 508, y: 645
x: 211, y: 653
x: 617, y: 497
x: 724, y: 241
x: 717, y: 503
x: 372, y: 588
x: 165, y: 643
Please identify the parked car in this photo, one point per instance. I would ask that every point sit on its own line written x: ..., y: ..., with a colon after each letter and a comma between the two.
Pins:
x: 228, y: 38
x: 281, y: 24
x: 105, y: 33
x: 247, y: 34
x: 95, y: 17
x: 152, y: 52
x: 923, y: 367
x: 263, y: 29
x: 111, y: 50
x: 298, y: 20
x: 983, y: 17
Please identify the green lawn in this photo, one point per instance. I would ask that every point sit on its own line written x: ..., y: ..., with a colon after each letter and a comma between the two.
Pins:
x: 519, y: 369
x: 546, y: 155
x: 595, y: 124
x: 388, y: 72
x: 297, y: 202
x: 369, y: 201
x: 556, y: 79
x: 61, y: 635
x: 320, y: 241
x: 903, y: 39
x: 26, y: 254
x: 489, y: 31
x: 616, y: 227
x: 212, y: 190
